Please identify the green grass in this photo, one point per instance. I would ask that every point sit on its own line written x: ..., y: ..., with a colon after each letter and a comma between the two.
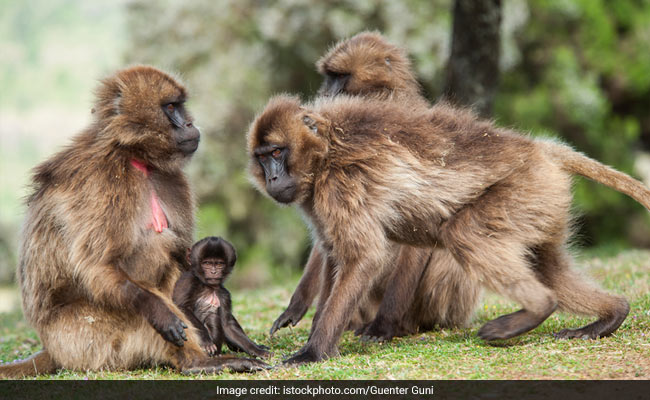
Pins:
x: 441, y: 354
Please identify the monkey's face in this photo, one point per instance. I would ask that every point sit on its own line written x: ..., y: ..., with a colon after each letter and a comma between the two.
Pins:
x: 285, y: 145
x: 185, y: 135
x: 274, y: 161
x: 143, y: 109
x: 213, y: 270
x: 211, y: 260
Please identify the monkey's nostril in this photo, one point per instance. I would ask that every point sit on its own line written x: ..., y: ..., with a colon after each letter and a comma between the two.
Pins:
x: 189, y: 125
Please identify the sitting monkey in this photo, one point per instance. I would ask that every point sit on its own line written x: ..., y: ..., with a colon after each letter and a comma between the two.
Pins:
x: 200, y: 294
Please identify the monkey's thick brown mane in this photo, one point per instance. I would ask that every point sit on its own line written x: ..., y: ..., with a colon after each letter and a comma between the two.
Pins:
x: 278, y: 113
x: 357, y: 125
x: 362, y: 45
x: 374, y: 67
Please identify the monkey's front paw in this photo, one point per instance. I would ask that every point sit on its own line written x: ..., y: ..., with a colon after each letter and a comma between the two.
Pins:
x: 379, y: 332
x: 172, y: 329
x: 161, y: 318
x: 292, y: 315
x: 211, y: 349
x: 307, y: 355
x: 262, y: 352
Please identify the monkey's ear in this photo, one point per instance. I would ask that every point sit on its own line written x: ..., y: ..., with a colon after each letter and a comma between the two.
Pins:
x: 310, y: 123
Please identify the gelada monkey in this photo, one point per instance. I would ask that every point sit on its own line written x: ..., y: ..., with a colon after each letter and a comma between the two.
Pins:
x: 206, y: 303
x: 367, y: 173
x: 368, y: 65
x: 108, y: 223
x: 428, y: 287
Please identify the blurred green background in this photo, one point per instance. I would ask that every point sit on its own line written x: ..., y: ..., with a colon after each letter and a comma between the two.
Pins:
x: 576, y: 69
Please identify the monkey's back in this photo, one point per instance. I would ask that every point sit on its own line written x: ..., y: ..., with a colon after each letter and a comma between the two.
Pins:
x: 443, y: 158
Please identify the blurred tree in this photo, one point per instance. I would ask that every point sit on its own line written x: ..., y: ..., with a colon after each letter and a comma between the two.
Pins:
x: 579, y: 69
x: 473, y: 68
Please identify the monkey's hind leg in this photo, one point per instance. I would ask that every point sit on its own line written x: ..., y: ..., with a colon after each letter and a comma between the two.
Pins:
x: 492, y: 252
x: 519, y: 283
x: 576, y: 294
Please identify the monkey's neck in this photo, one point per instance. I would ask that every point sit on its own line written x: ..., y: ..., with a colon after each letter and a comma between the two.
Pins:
x: 158, y: 218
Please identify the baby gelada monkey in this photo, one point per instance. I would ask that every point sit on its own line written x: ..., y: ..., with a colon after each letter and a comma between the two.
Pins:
x: 200, y: 294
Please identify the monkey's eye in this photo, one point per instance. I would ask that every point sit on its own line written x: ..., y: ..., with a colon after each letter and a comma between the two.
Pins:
x: 170, y: 107
x: 261, y: 157
x: 276, y: 153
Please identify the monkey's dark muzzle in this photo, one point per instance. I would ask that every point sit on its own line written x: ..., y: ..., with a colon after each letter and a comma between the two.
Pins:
x: 282, y: 193
x: 189, y: 145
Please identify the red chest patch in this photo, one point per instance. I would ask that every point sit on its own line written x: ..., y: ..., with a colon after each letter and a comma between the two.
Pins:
x: 158, y: 219
x: 212, y: 300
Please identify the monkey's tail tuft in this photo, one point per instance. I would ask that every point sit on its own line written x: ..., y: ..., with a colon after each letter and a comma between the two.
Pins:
x: 38, y: 363
x: 577, y: 163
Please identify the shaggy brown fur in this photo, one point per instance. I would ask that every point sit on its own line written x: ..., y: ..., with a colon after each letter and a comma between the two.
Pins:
x: 428, y: 287
x: 367, y: 172
x: 200, y: 294
x: 107, y: 227
x: 368, y: 65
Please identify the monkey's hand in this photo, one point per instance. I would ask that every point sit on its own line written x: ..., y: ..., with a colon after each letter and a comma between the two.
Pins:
x: 162, y: 319
x: 171, y: 328
x: 379, y: 330
x: 308, y: 355
x: 261, y: 351
x: 292, y: 315
x: 211, y: 349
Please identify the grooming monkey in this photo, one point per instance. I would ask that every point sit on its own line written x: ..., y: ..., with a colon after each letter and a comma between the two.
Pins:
x: 428, y: 287
x: 108, y: 223
x: 200, y: 294
x: 366, y: 173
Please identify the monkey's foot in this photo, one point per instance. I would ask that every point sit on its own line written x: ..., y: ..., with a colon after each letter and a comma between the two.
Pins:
x: 379, y: 331
x: 261, y: 352
x: 600, y: 328
x: 307, y: 355
x: 511, y: 325
x: 292, y: 315
x: 216, y: 365
x: 211, y: 349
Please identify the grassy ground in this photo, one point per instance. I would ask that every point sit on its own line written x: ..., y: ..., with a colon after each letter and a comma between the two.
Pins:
x: 442, y: 354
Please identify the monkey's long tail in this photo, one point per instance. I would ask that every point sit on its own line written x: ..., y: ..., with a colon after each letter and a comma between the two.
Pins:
x: 577, y: 163
x: 38, y: 363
